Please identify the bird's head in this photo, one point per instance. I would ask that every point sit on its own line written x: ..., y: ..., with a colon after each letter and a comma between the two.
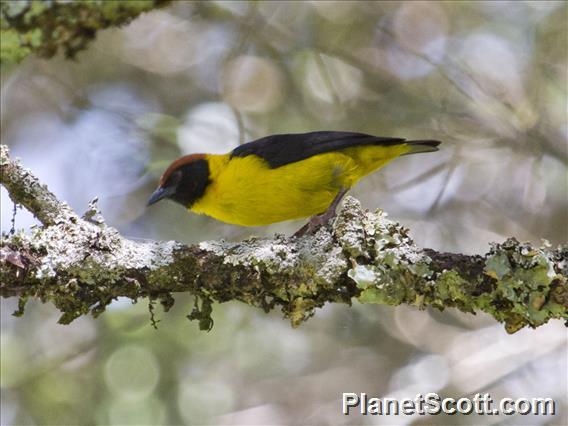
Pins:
x: 184, y: 181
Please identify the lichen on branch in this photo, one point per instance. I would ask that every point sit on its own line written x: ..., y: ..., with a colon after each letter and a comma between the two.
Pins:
x: 80, y: 264
x: 46, y: 27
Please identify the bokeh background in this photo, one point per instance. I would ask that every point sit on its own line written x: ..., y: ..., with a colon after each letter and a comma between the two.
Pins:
x: 487, y: 78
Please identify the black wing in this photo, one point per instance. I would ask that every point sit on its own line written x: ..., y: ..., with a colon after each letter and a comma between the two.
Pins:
x: 279, y: 150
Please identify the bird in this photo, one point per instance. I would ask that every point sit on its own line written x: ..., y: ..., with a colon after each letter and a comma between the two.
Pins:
x: 281, y: 177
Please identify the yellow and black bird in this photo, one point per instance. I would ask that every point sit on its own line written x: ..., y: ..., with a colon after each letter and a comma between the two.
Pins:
x: 280, y: 177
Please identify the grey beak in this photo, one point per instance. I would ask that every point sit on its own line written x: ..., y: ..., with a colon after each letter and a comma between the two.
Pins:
x: 159, y: 194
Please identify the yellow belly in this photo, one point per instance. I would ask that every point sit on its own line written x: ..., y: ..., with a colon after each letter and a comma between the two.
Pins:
x: 245, y: 191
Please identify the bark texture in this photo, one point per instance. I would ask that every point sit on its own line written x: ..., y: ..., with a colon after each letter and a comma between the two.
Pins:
x: 80, y: 264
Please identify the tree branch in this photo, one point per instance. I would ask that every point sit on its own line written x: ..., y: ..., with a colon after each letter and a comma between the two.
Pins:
x: 44, y: 28
x: 81, y: 265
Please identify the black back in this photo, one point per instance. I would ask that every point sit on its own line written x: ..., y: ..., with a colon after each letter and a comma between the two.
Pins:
x: 279, y: 150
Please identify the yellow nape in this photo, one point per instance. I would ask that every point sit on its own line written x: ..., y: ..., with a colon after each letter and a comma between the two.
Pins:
x: 246, y: 191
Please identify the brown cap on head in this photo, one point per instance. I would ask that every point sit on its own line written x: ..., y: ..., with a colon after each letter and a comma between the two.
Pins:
x: 186, y: 159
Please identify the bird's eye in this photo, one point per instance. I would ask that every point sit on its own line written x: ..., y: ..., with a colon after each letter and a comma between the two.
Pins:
x: 175, y: 178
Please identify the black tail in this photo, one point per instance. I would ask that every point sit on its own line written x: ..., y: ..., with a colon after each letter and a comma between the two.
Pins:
x: 422, y: 146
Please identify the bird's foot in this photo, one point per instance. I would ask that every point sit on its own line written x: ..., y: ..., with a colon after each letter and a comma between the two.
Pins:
x: 314, y: 224
x: 316, y: 221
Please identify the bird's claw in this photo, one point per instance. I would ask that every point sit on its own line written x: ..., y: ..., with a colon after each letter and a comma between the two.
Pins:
x: 313, y: 225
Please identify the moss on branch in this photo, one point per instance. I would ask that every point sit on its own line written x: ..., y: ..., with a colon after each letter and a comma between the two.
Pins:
x: 46, y: 27
x: 81, y: 265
